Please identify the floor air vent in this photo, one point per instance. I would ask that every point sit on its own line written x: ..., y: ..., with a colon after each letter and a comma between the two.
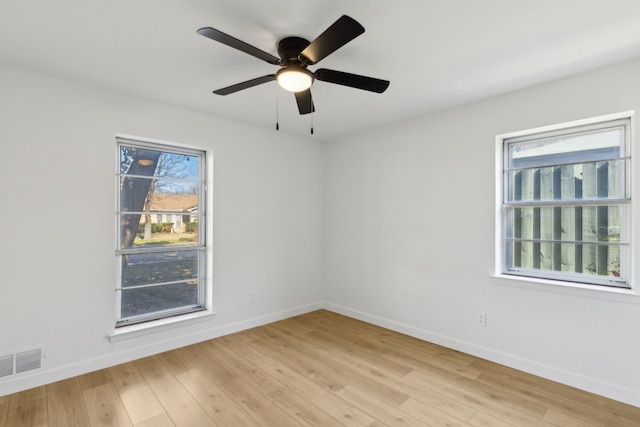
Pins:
x: 6, y: 365
x: 23, y: 361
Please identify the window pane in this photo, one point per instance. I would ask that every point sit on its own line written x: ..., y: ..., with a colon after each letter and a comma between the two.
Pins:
x: 585, y: 258
x: 159, y: 267
x: 145, y: 161
x: 148, y: 194
x: 577, y: 148
x: 571, y: 223
x: 593, y: 180
x: 150, y: 233
x: 135, y: 302
x: 141, y: 195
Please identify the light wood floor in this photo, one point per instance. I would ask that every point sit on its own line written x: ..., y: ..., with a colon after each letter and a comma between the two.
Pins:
x: 319, y: 369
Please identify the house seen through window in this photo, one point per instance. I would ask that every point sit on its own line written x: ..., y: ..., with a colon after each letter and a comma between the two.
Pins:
x: 161, y: 263
x: 566, y: 203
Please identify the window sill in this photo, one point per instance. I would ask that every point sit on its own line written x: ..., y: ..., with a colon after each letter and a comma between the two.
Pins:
x: 607, y: 293
x: 140, y: 329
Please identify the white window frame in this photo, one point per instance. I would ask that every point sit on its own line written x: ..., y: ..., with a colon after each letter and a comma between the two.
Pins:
x: 123, y: 332
x: 561, y: 281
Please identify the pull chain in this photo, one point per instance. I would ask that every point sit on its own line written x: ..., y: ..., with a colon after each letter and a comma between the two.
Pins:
x: 312, y: 113
x: 277, y: 107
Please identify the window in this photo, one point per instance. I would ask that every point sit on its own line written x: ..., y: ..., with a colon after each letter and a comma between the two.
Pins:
x: 160, y: 273
x: 565, y: 202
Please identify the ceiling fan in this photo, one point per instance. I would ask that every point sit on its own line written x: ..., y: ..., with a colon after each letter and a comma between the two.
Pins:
x: 296, y: 54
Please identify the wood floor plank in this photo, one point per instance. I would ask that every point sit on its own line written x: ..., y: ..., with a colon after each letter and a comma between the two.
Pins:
x: 249, y: 335
x: 220, y: 407
x: 94, y: 379
x: 257, y: 405
x: 177, y: 402
x: 424, y: 392
x: 4, y: 409
x: 301, y: 409
x: 430, y: 415
x: 342, y: 367
x: 322, y: 347
x: 160, y: 421
x: 176, y: 361
x: 491, y: 402
x: 316, y: 394
x: 322, y: 377
x: 417, y: 358
x: 293, y: 379
x: 238, y: 345
x: 105, y: 408
x: 557, y: 418
x: 575, y: 403
x: 336, y: 344
x: 368, y: 377
x: 466, y: 389
x: 333, y: 323
x: 239, y: 367
x: 480, y: 419
x: 136, y: 395
x: 400, y: 342
x: 291, y: 326
x: 343, y: 411
x: 380, y: 410
x: 28, y: 408
x: 65, y: 404
x: 196, y: 357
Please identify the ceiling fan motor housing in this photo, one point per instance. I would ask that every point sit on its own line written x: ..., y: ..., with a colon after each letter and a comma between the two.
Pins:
x: 289, y: 49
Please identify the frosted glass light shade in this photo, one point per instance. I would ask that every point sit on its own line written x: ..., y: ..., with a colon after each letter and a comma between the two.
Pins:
x: 294, y: 79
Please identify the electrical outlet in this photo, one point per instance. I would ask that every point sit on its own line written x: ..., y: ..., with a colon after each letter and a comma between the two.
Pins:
x: 482, y: 319
x: 252, y: 296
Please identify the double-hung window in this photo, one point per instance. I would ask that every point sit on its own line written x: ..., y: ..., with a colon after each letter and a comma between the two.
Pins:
x: 160, y: 268
x: 564, y: 198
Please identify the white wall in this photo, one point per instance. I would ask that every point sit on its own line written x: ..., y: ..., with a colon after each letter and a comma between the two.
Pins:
x: 410, y: 239
x: 403, y: 248
x: 57, y: 192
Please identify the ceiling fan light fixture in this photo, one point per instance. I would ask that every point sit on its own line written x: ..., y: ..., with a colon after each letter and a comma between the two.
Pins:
x: 294, y: 78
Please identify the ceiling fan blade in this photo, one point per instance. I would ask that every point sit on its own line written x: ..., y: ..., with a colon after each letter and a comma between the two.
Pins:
x: 337, y: 35
x: 245, y: 85
x: 352, y: 80
x: 223, y: 38
x: 305, y: 102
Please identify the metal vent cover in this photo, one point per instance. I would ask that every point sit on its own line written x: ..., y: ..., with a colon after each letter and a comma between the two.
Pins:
x: 6, y: 365
x: 20, y: 362
x: 28, y: 360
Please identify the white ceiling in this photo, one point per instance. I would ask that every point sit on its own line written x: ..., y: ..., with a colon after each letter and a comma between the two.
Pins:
x: 436, y: 53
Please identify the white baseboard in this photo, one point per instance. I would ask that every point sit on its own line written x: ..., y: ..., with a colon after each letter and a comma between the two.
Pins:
x: 44, y: 376
x: 592, y: 385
